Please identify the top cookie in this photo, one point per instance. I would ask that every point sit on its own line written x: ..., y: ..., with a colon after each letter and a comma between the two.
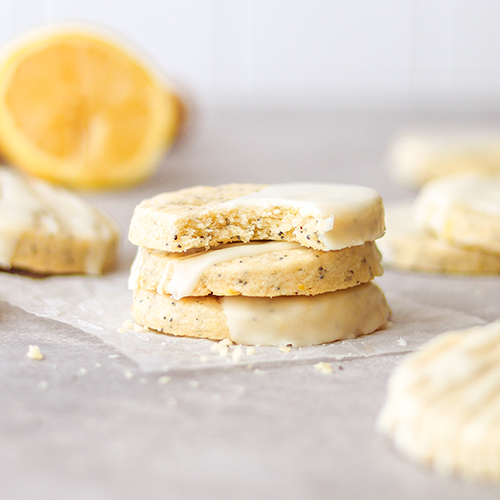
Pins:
x: 320, y: 216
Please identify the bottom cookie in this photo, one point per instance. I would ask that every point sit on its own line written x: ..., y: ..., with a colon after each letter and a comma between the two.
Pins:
x: 443, y: 404
x: 404, y: 247
x: 297, y: 321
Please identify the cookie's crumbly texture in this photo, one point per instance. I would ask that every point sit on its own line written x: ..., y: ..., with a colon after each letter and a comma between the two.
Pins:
x: 301, y: 271
x: 45, y: 229
x: 156, y: 221
x: 463, y: 210
x: 420, y: 157
x: 363, y: 308
x: 407, y: 248
x: 197, y: 218
x: 443, y: 404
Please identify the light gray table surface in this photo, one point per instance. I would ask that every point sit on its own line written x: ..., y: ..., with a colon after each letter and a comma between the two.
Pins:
x: 289, y: 432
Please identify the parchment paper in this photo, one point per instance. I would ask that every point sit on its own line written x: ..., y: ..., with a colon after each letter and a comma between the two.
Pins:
x: 101, y: 306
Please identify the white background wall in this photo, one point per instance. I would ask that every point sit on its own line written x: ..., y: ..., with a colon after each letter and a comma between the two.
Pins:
x: 302, y: 52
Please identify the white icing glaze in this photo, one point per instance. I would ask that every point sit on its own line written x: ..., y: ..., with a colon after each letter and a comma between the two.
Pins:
x: 18, y: 208
x: 439, y: 197
x: 301, y: 321
x: 26, y: 203
x: 187, y: 270
x: 350, y: 215
x: 135, y: 270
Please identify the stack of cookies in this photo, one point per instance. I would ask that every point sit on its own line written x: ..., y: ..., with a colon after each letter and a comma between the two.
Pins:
x: 452, y: 227
x: 288, y: 264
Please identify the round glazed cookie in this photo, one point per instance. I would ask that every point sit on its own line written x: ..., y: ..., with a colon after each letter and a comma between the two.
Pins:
x: 258, y: 269
x: 463, y: 210
x: 443, y: 404
x: 319, y: 216
x: 297, y: 320
x: 407, y: 248
x: 417, y: 158
x: 46, y: 229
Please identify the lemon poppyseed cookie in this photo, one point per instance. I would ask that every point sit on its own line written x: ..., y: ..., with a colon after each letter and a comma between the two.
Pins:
x: 463, y: 210
x: 297, y: 320
x: 49, y: 230
x: 256, y: 269
x: 408, y: 248
x: 443, y: 404
x: 320, y: 216
x: 260, y: 264
x: 416, y: 158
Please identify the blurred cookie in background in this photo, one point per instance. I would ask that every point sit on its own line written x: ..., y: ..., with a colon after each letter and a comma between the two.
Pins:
x: 443, y: 404
x: 415, y: 158
x: 47, y: 229
x: 408, y: 248
x: 453, y: 226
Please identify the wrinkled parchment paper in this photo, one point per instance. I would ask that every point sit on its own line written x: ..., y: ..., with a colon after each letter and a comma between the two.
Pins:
x: 101, y: 306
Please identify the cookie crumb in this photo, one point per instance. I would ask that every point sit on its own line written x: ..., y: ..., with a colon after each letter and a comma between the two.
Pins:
x: 128, y: 375
x: 164, y: 380
x: 43, y: 385
x: 250, y: 351
x: 82, y: 371
x: 402, y: 342
x: 323, y: 367
x: 222, y: 347
x: 34, y: 352
x: 127, y: 325
x: 284, y: 349
x: 140, y: 328
x: 237, y: 353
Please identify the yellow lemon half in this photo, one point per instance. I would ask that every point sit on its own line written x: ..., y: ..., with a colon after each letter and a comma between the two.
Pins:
x: 79, y: 108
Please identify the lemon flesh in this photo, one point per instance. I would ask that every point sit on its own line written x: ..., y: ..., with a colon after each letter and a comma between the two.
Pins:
x: 80, y: 110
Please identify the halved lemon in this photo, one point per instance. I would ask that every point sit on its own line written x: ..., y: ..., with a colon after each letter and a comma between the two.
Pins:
x: 80, y: 108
